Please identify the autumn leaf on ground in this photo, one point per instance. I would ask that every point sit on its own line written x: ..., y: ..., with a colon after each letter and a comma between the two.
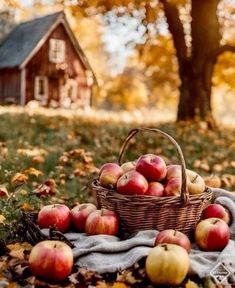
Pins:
x: 212, y: 181
x: 63, y: 160
x: 19, y: 250
x: 38, y: 159
x: 50, y: 183
x: 191, y: 284
x: 119, y: 285
x: 102, y: 284
x: 33, y: 171
x: 2, y: 219
x: 127, y: 276
x: 79, y: 172
x: 26, y: 207
x: 19, y: 177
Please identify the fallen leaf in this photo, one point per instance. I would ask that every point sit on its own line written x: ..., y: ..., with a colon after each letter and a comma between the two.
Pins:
x: 127, y: 276
x: 12, y: 285
x: 191, y: 284
x: 26, y: 207
x: 19, y: 177
x: 38, y: 159
x: 50, y: 183
x: 79, y: 172
x: 119, y: 285
x: 63, y: 160
x: 213, y: 181
x: 18, y: 250
x: 2, y: 219
x: 102, y: 284
x: 33, y: 171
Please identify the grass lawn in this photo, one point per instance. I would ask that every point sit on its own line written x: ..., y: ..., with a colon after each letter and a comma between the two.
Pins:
x: 69, y: 150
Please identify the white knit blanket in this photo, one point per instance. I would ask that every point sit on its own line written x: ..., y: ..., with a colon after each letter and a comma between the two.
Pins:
x: 103, y: 253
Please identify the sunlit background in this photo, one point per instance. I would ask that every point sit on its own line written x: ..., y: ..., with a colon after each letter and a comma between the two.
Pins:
x: 137, y: 69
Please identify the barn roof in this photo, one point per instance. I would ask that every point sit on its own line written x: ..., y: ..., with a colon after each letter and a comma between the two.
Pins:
x: 25, y: 40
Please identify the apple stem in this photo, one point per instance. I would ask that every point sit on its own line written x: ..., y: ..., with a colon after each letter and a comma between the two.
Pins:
x: 216, y: 220
x: 102, y: 211
x: 195, y: 178
x: 175, y: 232
x: 54, y: 246
x: 165, y: 247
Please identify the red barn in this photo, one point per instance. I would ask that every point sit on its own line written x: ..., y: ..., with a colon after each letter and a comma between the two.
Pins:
x: 42, y: 60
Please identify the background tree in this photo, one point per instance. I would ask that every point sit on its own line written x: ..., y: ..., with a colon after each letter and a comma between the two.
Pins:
x: 197, y: 40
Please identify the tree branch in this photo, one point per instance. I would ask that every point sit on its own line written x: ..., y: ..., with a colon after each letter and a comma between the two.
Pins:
x: 220, y: 50
x: 211, y: 61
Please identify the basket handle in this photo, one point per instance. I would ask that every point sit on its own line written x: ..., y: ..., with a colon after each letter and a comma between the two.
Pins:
x: 184, y: 192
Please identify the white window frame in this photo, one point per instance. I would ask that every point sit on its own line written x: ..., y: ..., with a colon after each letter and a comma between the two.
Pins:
x: 56, y: 50
x: 37, y: 96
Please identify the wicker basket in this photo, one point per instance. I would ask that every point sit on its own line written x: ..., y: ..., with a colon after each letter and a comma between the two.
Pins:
x: 150, y: 212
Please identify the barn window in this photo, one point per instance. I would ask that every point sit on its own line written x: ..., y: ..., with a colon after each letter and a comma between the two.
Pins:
x: 57, y: 51
x: 41, y: 88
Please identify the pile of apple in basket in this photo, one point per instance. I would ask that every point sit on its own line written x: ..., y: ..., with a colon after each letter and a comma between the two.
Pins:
x: 146, y: 193
x: 149, y: 175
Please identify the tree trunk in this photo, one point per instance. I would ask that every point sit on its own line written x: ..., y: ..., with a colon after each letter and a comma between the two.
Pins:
x: 195, y: 70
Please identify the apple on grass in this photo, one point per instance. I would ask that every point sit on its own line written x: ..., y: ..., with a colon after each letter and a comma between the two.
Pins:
x: 172, y: 236
x: 132, y: 183
x: 109, y: 174
x: 153, y: 167
x: 155, y: 189
x: 167, y: 264
x: 79, y: 215
x: 57, y: 215
x: 212, y: 234
x: 51, y: 260
x: 216, y: 211
x: 102, y: 221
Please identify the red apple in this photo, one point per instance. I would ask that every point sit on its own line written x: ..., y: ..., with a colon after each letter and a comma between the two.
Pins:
x: 127, y: 166
x: 79, y: 215
x: 109, y: 174
x: 102, y: 221
x: 155, y: 189
x: 216, y: 211
x: 212, y: 234
x: 152, y: 167
x: 172, y: 236
x: 55, y: 215
x: 173, y: 187
x: 195, y: 183
x: 132, y: 183
x: 173, y: 171
x: 51, y: 260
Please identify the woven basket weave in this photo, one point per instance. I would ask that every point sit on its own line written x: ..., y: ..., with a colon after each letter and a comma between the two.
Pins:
x: 150, y: 212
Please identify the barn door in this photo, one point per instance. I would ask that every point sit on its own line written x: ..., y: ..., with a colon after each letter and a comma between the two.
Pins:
x: 41, y: 89
x: 68, y: 93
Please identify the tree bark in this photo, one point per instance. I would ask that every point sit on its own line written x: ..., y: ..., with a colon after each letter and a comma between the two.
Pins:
x: 196, y: 69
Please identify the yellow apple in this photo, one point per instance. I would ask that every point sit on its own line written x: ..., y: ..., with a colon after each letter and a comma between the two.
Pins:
x: 167, y: 264
x: 195, y: 183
